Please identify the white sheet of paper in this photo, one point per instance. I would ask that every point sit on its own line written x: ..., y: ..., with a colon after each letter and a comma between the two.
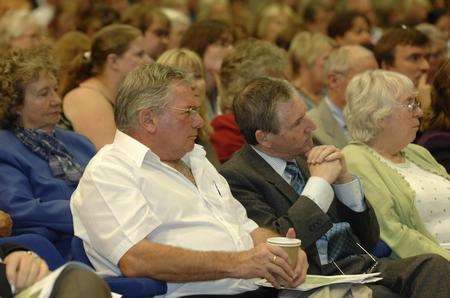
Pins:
x: 43, y: 288
x: 317, y: 281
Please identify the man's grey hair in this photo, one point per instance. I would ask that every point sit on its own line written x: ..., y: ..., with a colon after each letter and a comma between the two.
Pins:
x: 255, y: 108
x: 344, y: 58
x: 370, y: 98
x: 146, y: 87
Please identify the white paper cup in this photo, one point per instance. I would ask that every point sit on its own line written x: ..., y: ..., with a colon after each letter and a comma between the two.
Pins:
x: 290, y: 245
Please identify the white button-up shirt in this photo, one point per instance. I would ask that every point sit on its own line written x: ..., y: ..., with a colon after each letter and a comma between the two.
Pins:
x: 127, y: 194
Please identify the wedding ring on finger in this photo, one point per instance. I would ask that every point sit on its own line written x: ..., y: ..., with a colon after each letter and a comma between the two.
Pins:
x: 274, y: 258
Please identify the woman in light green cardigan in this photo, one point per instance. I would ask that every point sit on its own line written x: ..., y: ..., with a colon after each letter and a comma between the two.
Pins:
x: 408, y: 189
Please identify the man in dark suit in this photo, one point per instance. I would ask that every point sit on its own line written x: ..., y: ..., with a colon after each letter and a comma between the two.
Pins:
x: 283, y: 181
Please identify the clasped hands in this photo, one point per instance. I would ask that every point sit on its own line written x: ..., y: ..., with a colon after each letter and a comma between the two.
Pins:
x: 328, y: 162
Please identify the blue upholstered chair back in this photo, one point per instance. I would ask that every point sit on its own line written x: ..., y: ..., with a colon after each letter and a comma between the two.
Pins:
x: 128, y: 287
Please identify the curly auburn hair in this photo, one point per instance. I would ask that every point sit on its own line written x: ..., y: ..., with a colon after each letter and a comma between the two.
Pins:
x: 18, y: 68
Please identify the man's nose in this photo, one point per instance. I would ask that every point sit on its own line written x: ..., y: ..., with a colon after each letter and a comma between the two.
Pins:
x: 424, y: 65
x: 197, y: 121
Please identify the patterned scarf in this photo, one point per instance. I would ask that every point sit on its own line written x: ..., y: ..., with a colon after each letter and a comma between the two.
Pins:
x: 52, y: 150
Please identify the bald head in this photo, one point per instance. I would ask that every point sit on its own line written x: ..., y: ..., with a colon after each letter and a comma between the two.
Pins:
x: 342, y: 65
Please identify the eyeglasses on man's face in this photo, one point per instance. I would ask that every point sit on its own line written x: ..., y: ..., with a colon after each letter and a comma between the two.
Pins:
x: 191, y: 111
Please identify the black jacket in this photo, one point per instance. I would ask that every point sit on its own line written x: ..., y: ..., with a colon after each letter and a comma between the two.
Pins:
x: 271, y: 202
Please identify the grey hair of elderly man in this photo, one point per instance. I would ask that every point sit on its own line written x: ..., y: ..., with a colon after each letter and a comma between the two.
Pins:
x: 342, y: 65
x: 146, y: 87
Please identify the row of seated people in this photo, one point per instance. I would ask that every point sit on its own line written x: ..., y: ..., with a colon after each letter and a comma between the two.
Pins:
x: 120, y: 207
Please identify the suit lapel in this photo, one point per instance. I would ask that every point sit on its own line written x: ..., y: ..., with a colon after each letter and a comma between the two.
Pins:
x: 269, y: 174
x: 331, y: 126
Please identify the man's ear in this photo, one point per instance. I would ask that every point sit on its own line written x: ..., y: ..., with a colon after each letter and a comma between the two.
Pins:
x: 263, y: 138
x: 333, y: 80
x: 147, y: 120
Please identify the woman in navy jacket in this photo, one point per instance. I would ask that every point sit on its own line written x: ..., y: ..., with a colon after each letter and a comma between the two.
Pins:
x: 40, y: 165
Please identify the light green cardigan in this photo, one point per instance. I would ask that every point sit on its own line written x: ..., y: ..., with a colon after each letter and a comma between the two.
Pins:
x: 393, y: 199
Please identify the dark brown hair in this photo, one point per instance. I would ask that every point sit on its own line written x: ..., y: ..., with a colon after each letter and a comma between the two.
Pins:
x: 204, y: 33
x: 113, y: 39
x: 385, y: 47
x: 255, y: 108
x: 343, y: 22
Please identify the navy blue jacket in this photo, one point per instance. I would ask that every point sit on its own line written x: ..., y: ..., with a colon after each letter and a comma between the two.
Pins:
x: 38, y: 202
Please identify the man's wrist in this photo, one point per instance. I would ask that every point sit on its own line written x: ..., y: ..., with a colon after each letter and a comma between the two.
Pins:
x: 233, y: 268
x: 346, y: 178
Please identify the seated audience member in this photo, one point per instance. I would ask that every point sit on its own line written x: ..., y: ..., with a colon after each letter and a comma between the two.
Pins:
x: 219, y: 10
x: 283, y: 182
x: 21, y: 269
x: 438, y: 47
x: 273, y: 19
x: 436, y: 125
x: 350, y: 28
x: 212, y: 40
x: 317, y: 15
x: 20, y: 29
x: 154, y: 25
x: 406, y: 186
x: 179, y: 23
x: 92, y: 82
x: 200, y: 240
x: 440, y: 17
x: 308, y: 53
x: 405, y: 50
x: 342, y: 65
x: 100, y: 15
x: 251, y: 58
x: 190, y: 62
x: 40, y: 165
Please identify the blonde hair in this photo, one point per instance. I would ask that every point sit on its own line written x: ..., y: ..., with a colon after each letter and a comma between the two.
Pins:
x: 13, y: 24
x: 250, y: 58
x: 190, y: 62
x: 307, y: 46
x: 205, y: 7
x: 268, y: 13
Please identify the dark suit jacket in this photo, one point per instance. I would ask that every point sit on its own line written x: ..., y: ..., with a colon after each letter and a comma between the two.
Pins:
x: 272, y: 202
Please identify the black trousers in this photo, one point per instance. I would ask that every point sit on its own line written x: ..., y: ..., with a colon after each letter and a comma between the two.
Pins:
x: 420, y: 276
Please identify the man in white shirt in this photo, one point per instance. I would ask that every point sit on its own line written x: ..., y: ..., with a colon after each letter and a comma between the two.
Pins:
x: 151, y: 204
x: 342, y: 65
x: 283, y: 182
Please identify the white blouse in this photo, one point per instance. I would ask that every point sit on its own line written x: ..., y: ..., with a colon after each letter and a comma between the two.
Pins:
x: 432, y: 198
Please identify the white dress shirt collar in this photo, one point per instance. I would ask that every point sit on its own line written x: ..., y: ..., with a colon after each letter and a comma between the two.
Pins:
x: 139, y: 153
x: 278, y: 164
